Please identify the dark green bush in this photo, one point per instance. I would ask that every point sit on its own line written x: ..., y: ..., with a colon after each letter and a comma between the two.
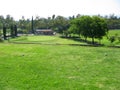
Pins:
x: 112, y: 39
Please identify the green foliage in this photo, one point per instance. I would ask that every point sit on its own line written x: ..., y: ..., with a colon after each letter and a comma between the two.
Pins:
x: 57, y: 23
x: 12, y: 31
x: 15, y: 30
x: 32, y: 26
x: 119, y: 39
x: 93, y: 27
x: 113, y: 22
x: 114, y: 36
x: 60, y: 23
x: 4, y: 33
x: 1, y: 39
x: 112, y: 39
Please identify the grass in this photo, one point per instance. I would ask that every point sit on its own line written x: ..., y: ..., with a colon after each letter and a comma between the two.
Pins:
x: 106, y: 41
x: 57, y: 40
x: 114, y: 32
x: 47, y: 67
x: 57, y: 67
x: 44, y: 40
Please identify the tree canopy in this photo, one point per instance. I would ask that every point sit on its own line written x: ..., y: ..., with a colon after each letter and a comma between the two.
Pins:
x: 86, y: 26
x: 93, y: 27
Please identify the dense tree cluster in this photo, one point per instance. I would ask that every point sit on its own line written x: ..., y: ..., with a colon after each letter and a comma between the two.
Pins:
x: 86, y: 26
x: 55, y: 22
x: 113, y: 21
x: 92, y: 27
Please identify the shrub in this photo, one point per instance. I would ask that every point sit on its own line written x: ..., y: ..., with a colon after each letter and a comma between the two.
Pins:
x: 119, y: 39
x: 1, y: 40
x: 112, y: 39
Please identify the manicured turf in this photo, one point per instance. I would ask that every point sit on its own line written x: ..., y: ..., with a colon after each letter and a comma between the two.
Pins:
x: 58, y: 40
x: 114, y: 32
x: 58, y: 67
x: 45, y: 40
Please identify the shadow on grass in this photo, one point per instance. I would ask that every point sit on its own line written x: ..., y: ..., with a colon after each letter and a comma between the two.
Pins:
x: 87, y: 43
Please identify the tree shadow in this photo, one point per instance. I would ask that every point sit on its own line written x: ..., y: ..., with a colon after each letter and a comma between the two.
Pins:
x: 78, y: 39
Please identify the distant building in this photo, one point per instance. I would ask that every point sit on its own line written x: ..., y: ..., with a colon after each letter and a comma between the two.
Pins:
x: 44, y: 32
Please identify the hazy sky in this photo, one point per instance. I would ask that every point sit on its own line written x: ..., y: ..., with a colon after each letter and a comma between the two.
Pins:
x: 45, y: 8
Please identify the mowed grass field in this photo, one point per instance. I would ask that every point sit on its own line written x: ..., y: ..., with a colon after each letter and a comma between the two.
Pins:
x: 57, y: 40
x: 44, y: 40
x: 115, y: 33
x: 58, y: 67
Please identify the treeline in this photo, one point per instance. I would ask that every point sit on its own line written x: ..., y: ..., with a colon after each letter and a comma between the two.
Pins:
x: 56, y: 23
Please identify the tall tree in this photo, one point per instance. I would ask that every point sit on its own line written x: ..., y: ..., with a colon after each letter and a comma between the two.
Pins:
x: 9, y: 21
x: 4, y: 33
x: 12, y: 31
x: 32, y: 25
x: 60, y: 24
x: 93, y: 27
x: 2, y: 21
x: 99, y: 27
x: 53, y: 16
x: 15, y: 30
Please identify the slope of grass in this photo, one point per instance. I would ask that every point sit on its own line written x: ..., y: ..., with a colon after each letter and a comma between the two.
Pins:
x: 44, y: 40
x: 47, y: 67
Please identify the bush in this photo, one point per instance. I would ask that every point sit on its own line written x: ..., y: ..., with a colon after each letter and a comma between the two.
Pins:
x: 112, y: 39
x: 119, y: 39
x: 1, y: 40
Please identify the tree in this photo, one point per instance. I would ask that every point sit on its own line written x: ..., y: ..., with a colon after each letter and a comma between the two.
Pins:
x: 12, y: 31
x: 15, y: 30
x: 74, y: 26
x: 53, y: 16
x: 93, y: 27
x: 85, y: 26
x: 112, y: 39
x: 2, y: 21
x: 4, y: 33
x: 60, y: 24
x: 32, y: 25
x: 98, y: 28
x: 9, y: 21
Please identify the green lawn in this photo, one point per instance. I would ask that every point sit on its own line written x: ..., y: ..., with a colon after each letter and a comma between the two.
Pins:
x: 58, y: 40
x: 44, y: 40
x: 114, y: 32
x: 106, y: 41
x: 58, y: 67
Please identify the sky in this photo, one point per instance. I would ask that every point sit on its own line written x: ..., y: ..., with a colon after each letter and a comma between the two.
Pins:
x: 46, y: 8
